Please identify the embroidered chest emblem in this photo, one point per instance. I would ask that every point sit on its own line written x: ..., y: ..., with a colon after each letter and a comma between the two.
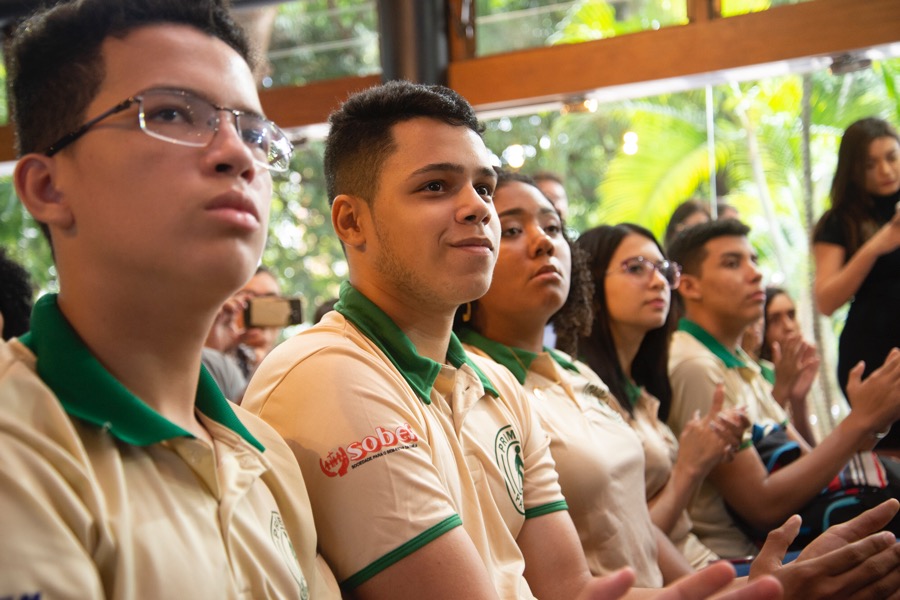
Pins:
x: 286, y: 549
x: 508, y: 450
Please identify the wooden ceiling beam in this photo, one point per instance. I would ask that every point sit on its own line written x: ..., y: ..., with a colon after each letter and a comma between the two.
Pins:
x: 818, y: 27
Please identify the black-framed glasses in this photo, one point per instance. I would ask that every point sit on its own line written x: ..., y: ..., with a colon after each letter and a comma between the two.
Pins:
x: 183, y: 118
x: 642, y: 269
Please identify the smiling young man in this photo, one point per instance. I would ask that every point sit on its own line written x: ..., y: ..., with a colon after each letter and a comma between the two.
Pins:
x: 722, y: 290
x: 125, y: 471
x: 429, y: 476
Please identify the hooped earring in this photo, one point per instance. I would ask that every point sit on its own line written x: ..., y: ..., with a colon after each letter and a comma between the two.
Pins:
x: 467, y: 316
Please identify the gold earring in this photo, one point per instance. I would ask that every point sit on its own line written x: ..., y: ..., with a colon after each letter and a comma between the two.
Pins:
x: 467, y: 316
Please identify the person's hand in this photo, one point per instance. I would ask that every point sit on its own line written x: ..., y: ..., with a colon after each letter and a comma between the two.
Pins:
x: 696, y: 586
x: 706, y: 582
x: 796, y: 365
x: 707, y: 441
x: 609, y: 587
x: 887, y: 238
x: 876, y: 400
x: 848, y: 560
x: 225, y: 333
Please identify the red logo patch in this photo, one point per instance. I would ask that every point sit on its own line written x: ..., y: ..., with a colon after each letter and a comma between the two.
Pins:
x: 384, y: 441
x: 336, y: 463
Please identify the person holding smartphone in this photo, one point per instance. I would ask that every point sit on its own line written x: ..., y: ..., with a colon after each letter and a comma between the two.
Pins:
x: 856, y: 245
x: 245, y: 331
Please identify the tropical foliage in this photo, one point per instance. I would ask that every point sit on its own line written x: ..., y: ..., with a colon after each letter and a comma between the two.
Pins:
x: 758, y: 134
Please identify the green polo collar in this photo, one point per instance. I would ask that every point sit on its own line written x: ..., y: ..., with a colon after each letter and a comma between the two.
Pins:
x: 731, y: 360
x: 518, y: 361
x: 767, y: 370
x: 632, y: 391
x: 89, y: 392
x: 419, y: 372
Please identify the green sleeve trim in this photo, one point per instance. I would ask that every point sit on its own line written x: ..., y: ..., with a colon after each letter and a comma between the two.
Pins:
x: 401, y: 552
x: 546, y: 509
x: 745, y: 444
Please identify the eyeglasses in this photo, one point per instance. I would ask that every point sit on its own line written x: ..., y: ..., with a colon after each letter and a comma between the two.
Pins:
x: 642, y: 269
x: 182, y: 118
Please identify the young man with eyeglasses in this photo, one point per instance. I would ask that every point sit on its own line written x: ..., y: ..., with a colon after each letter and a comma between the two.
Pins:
x: 126, y: 474
x: 723, y: 295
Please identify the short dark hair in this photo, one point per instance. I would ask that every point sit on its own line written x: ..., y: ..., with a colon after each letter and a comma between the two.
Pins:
x: 598, y: 348
x: 689, y: 247
x: 360, y: 138
x: 547, y: 176
x: 324, y: 308
x: 56, y: 67
x: 15, y: 297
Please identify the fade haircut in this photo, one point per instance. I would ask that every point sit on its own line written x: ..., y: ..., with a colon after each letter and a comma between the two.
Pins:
x: 689, y: 247
x: 598, y: 347
x: 360, y: 138
x: 55, y: 62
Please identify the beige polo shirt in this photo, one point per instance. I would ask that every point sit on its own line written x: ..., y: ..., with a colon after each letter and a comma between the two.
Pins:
x: 660, y: 454
x: 398, y: 449
x: 102, y: 497
x: 599, y: 458
x: 697, y: 362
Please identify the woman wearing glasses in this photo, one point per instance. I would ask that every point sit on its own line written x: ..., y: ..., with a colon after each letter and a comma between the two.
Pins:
x: 600, y: 459
x: 628, y: 347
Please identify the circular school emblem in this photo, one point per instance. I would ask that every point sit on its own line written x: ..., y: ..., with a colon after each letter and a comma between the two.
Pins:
x: 286, y: 549
x: 508, y: 451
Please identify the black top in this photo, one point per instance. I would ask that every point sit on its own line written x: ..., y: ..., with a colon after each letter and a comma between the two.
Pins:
x: 883, y: 281
x: 873, y: 322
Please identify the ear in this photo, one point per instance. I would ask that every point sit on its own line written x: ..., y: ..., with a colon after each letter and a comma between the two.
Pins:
x: 35, y: 178
x: 690, y: 288
x: 348, y: 215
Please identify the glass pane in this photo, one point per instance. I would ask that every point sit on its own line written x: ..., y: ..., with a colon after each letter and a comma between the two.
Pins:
x: 313, y: 40
x: 731, y: 8
x: 505, y: 25
x: 636, y: 160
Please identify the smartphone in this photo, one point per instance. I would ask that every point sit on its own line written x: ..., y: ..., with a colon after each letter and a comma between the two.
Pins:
x: 273, y: 311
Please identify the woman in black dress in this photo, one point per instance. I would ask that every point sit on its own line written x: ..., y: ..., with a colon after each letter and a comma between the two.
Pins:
x: 856, y: 245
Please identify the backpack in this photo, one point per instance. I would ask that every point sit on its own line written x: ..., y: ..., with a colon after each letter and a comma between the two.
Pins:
x: 866, y: 481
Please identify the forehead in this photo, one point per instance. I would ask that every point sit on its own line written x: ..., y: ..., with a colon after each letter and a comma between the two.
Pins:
x: 635, y: 244
x: 262, y: 283
x: 727, y: 244
x: 882, y: 145
x: 779, y: 303
x: 422, y: 141
x: 551, y: 188
x: 521, y: 197
x: 176, y: 56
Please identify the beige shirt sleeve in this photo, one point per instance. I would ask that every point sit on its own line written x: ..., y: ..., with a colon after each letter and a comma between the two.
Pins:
x: 362, y: 443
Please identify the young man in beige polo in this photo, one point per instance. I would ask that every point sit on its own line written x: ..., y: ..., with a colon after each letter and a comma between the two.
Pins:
x: 126, y: 474
x: 428, y: 475
x: 721, y: 287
